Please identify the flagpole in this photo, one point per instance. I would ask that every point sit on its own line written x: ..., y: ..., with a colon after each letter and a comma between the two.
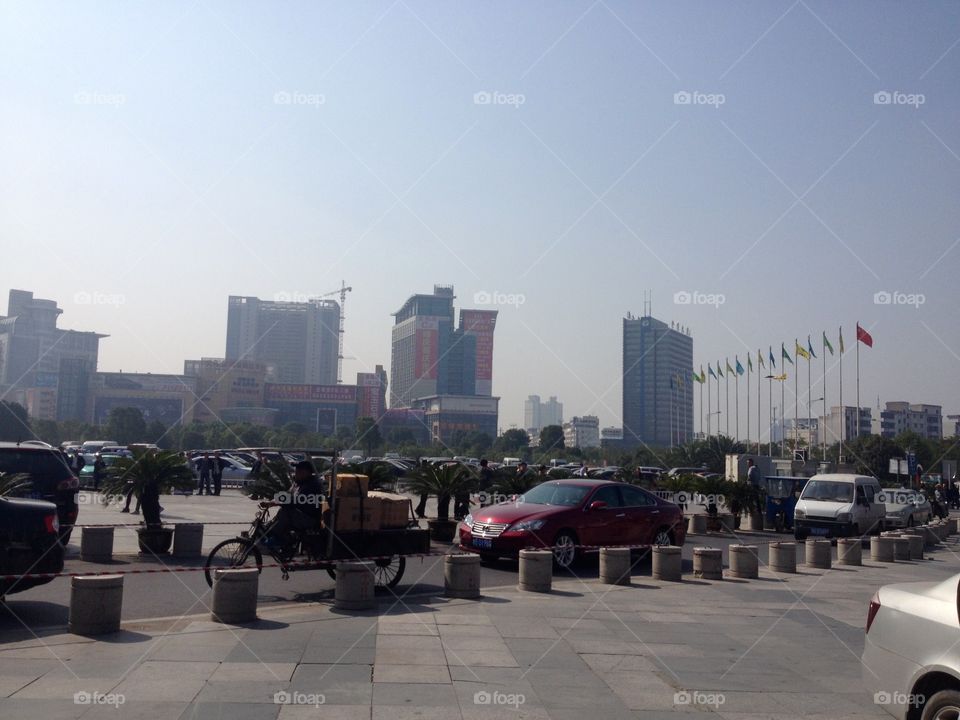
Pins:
x: 701, y: 404
x: 843, y: 411
x: 759, y: 400
x: 748, y: 402
x: 796, y: 401
x: 856, y: 341
x: 809, y: 361
x: 823, y: 382
x: 709, y: 408
x: 770, y: 415
x: 783, y: 429
x: 726, y: 391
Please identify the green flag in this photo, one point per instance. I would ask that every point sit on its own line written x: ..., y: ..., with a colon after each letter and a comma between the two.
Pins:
x: 826, y: 343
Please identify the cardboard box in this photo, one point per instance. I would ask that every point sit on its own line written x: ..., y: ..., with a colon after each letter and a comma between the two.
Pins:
x: 396, y: 510
x: 349, y: 513
x: 349, y: 485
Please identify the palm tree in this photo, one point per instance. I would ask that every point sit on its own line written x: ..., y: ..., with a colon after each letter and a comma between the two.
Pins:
x: 443, y: 481
x: 275, y: 476
x: 507, y: 482
x: 149, y: 473
x: 14, y: 484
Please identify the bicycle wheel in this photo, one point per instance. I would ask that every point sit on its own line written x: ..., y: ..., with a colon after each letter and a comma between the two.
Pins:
x: 235, y: 553
x: 386, y: 571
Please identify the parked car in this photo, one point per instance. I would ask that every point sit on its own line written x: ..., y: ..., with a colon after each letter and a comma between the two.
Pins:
x: 569, y: 514
x: 29, y: 543
x: 906, y: 507
x: 233, y: 469
x: 86, y: 472
x: 911, y: 659
x: 51, y: 479
x: 839, y: 505
x: 673, y: 472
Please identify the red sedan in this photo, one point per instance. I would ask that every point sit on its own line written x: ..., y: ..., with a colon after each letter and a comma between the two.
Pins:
x: 569, y: 514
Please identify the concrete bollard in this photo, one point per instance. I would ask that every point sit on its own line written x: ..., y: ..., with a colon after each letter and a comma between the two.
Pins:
x: 818, y: 554
x: 96, y: 544
x: 235, y: 595
x: 849, y: 551
x: 954, y: 525
x: 187, y: 540
x: 355, y: 587
x: 615, y: 566
x: 949, y: 526
x: 783, y: 557
x: 726, y: 522
x: 461, y: 575
x: 929, y: 535
x: 667, y: 563
x: 901, y: 548
x: 915, y: 538
x: 743, y: 561
x: 697, y: 524
x: 95, y: 604
x: 754, y: 522
x: 882, y: 549
x: 536, y: 570
x: 943, y: 530
x: 708, y: 563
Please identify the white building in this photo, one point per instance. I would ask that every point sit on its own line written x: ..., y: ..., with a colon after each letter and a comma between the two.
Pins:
x: 538, y: 415
x: 925, y: 420
x: 582, y: 432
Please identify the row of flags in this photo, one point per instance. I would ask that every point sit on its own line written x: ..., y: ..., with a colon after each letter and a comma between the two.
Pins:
x: 807, y: 353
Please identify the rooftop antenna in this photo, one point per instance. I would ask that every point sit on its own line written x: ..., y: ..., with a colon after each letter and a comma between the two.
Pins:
x: 647, y: 303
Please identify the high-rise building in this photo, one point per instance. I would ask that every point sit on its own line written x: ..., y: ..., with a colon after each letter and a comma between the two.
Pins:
x: 841, y: 424
x: 657, y: 392
x: 298, y: 342
x: 925, y: 420
x: 538, y: 415
x: 531, y: 414
x: 41, y: 363
x: 582, y: 432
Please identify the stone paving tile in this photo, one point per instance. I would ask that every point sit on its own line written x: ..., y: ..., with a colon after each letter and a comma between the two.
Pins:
x: 230, y: 711
x: 137, y: 710
x: 428, y: 674
x: 324, y: 712
x: 335, y: 654
x: 396, y: 712
x: 414, y: 695
x: 45, y: 708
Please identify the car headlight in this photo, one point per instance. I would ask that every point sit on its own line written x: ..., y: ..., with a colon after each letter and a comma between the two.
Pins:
x: 527, y: 525
x: 468, y: 521
x: 798, y: 513
x: 844, y: 517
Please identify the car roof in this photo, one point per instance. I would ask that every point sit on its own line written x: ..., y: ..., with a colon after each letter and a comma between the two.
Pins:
x: 842, y: 477
x: 6, y: 445
x: 586, y: 482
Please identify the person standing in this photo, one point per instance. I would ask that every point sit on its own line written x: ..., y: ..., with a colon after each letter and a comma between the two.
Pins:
x: 486, y: 483
x: 205, y: 468
x: 99, y: 469
x: 753, y: 477
x: 216, y: 470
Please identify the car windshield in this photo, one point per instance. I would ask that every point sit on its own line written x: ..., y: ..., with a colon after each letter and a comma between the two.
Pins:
x: 37, y: 464
x: 555, y: 494
x: 828, y: 490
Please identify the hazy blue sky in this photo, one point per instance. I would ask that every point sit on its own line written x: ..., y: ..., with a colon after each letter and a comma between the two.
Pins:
x: 149, y: 153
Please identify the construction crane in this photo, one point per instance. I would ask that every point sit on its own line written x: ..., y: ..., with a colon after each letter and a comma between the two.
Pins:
x: 342, y: 292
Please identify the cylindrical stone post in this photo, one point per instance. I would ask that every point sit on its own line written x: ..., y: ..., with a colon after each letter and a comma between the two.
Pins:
x: 708, y: 563
x: 726, y: 522
x: 615, y: 566
x: 915, y: 538
x: 882, y: 549
x: 187, y: 540
x: 536, y: 570
x: 949, y: 526
x: 901, y: 548
x: 743, y: 561
x: 667, y: 563
x: 783, y: 557
x: 355, y: 586
x: 95, y: 604
x: 942, y: 530
x: 96, y: 544
x: 461, y: 575
x: 754, y: 522
x: 818, y: 554
x: 235, y: 595
x: 929, y: 535
x: 697, y: 524
x: 849, y: 551
x: 954, y: 525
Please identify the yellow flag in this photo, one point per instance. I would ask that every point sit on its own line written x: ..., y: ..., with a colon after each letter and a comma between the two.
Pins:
x: 801, y: 351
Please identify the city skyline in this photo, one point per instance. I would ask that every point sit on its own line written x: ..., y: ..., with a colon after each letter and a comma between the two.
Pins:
x: 766, y: 174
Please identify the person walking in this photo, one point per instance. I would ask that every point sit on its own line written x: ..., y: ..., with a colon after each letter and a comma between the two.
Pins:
x: 216, y: 470
x: 99, y: 469
x: 205, y: 466
x: 486, y: 483
x: 753, y: 477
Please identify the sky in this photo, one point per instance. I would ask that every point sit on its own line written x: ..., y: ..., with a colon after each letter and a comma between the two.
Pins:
x: 781, y: 163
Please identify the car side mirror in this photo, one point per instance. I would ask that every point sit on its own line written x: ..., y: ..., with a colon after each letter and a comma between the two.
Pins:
x: 598, y: 505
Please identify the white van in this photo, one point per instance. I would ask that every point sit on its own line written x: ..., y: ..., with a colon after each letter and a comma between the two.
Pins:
x: 839, y: 505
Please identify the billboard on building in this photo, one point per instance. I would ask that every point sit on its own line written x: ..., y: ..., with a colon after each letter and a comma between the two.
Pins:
x: 481, y: 324
x: 311, y: 393
x: 426, y: 349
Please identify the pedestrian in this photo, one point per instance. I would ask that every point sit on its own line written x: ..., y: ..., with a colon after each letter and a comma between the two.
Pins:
x: 99, y: 469
x: 78, y: 462
x: 126, y: 507
x: 486, y: 483
x: 753, y: 477
x: 542, y: 473
x: 582, y: 471
x: 257, y: 466
x: 217, y: 471
x: 205, y: 467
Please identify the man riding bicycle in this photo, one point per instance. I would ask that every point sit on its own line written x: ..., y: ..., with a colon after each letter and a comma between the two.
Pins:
x: 300, y: 507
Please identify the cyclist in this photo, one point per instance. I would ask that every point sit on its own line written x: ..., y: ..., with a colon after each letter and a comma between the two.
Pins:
x: 300, y: 508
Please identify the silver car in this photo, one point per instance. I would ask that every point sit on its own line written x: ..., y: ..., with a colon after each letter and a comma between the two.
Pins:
x: 906, y: 508
x: 911, y: 654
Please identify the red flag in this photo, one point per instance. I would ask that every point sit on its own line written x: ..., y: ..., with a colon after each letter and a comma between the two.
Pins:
x: 864, y: 337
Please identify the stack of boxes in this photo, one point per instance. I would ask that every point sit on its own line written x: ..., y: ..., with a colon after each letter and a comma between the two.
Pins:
x: 360, y: 509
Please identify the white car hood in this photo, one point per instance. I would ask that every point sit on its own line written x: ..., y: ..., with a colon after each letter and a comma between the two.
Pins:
x: 822, y: 508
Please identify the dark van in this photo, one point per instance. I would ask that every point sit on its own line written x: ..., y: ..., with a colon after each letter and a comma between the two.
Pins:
x: 51, y: 479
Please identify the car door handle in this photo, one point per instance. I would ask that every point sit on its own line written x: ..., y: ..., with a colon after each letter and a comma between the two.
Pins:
x: 654, y: 512
x: 622, y: 515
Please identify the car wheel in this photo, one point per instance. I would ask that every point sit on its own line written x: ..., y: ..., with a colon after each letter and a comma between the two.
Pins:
x: 944, y: 705
x: 663, y: 537
x: 565, y: 552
